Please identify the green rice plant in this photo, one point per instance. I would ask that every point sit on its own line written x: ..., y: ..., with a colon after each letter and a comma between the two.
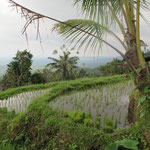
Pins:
x: 118, y: 109
x: 126, y: 119
x: 120, y: 117
x: 20, y: 102
x: 116, y: 123
x: 108, y: 129
x: 89, y: 114
x: 108, y: 122
x: 113, y: 115
x: 88, y: 122
x: 97, y: 110
x: 103, y: 109
x: 107, y: 102
x: 77, y: 116
x: 108, y: 125
x: 98, y: 122
x: 65, y: 113
x: 95, y: 101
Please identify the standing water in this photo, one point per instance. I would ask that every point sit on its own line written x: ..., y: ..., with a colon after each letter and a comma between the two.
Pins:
x: 108, y: 102
x: 20, y: 102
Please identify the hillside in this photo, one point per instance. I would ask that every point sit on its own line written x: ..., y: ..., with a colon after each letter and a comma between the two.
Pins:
x: 39, y: 63
x: 43, y: 125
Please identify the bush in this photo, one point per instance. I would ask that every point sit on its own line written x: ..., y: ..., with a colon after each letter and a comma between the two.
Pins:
x: 77, y: 116
x: 88, y: 122
x: 108, y: 129
x: 98, y: 122
x: 37, y: 78
x: 65, y: 113
x: 108, y: 126
x: 108, y: 122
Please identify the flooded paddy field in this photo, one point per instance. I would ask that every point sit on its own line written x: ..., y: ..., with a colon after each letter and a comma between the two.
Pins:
x: 20, y: 102
x: 108, y: 102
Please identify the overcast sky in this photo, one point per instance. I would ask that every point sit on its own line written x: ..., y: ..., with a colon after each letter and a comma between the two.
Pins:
x: 11, y: 25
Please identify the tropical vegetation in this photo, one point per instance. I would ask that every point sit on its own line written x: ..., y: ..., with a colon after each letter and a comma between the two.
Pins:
x: 65, y: 65
x: 114, y: 67
x: 43, y: 127
x: 19, y: 70
x: 46, y: 124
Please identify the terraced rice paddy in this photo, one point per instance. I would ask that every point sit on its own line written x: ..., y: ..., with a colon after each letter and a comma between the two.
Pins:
x: 110, y: 101
x: 20, y: 102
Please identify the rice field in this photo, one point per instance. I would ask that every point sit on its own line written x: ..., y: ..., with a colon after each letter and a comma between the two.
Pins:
x: 20, y: 102
x: 108, y: 102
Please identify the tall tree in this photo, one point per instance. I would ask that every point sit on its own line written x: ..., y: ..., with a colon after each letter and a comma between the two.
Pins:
x: 65, y: 65
x: 19, y: 70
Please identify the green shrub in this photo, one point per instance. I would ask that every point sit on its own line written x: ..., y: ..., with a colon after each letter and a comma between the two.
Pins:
x: 108, y: 129
x: 65, y: 113
x: 108, y: 125
x: 37, y: 78
x: 88, y: 122
x: 98, y: 122
x: 108, y: 122
x: 77, y: 116
x: 7, y: 146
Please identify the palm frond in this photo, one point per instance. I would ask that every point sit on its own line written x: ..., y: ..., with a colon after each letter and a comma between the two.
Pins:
x: 79, y: 38
x: 54, y: 59
x: 98, y: 10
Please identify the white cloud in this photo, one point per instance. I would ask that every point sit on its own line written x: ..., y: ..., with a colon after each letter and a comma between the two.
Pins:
x: 11, y: 24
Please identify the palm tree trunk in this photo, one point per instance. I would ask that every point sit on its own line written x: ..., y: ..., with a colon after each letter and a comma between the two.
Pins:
x: 136, y: 57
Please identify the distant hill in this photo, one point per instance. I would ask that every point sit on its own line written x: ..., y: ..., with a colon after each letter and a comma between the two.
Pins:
x: 88, y: 63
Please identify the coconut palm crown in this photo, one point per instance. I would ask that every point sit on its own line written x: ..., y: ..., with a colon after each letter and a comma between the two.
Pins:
x: 65, y: 65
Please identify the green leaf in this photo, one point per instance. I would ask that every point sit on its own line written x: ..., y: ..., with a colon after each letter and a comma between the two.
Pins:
x: 147, y: 89
x: 130, y: 144
x: 112, y: 146
x: 142, y: 113
x: 148, y: 96
x: 126, y: 143
x: 138, y: 69
x: 138, y: 84
x: 148, y: 76
x: 142, y: 99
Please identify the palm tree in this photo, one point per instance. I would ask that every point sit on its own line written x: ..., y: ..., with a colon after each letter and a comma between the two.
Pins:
x: 65, y: 65
x: 101, y: 18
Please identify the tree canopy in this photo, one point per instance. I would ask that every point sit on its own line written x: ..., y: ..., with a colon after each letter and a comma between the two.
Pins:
x: 19, y: 70
x: 65, y: 65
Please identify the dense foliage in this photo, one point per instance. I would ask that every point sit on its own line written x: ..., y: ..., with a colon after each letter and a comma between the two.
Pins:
x: 101, y: 17
x: 37, y: 78
x: 19, y: 70
x: 65, y: 65
x: 114, y: 67
x: 43, y: 128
